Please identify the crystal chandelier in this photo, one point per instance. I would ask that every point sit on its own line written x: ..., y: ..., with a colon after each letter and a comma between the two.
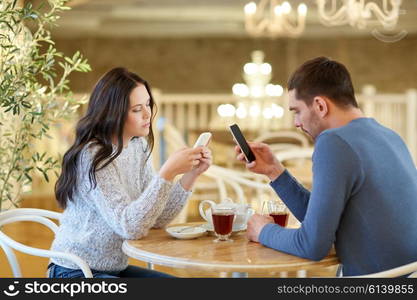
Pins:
x: 359, y: 13
x: 275, y: 20
x: 257, y: 96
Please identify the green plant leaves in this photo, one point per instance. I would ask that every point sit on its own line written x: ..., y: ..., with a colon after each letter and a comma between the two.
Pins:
x: 34, y: 93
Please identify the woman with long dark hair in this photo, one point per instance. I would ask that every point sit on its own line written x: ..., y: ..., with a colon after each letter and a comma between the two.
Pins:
x: 107, y: 187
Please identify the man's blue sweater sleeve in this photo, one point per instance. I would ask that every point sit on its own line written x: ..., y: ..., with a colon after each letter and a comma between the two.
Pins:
x: 336, y: 173
x: 294, y: 195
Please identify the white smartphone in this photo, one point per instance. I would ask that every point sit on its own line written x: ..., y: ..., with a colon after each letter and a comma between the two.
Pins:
x: 203, y: 139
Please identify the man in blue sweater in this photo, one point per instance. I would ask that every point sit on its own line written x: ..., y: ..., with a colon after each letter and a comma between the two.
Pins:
x: 364, y: 193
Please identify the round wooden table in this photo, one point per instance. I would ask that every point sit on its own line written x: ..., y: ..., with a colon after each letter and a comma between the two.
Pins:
x: 239, y: 257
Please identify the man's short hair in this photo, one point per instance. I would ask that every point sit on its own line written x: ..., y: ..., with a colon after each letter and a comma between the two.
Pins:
x: 322, y: 76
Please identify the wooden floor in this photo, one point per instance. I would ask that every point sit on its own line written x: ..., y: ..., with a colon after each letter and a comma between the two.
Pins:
x: 37, y: 235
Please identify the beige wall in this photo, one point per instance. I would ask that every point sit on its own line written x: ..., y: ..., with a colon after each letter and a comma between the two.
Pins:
x: 213, y: 65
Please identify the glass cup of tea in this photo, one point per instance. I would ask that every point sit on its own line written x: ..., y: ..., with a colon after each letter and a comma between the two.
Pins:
x: 278, y: 211
x: 223, y: 218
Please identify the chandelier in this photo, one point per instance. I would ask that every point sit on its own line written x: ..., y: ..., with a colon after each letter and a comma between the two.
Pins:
x: 275, y: 19
x: 359, y: 13
x: 257, y: 96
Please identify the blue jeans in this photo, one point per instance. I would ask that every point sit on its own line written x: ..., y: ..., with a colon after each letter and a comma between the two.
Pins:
x: 56, y: 271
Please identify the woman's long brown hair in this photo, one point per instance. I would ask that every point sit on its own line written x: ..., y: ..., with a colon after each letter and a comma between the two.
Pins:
x: 105, y: 118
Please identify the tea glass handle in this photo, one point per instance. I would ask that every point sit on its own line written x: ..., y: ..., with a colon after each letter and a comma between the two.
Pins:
x: 265, y: 207
x: 227, y: 200
x: 201, y: 208
x: 251, y: 212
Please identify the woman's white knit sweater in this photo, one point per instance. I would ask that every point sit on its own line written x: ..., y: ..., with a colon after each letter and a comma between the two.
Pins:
x: 129, y: 200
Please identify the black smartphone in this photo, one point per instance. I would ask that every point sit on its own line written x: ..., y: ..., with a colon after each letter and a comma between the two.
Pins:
x: 241, y: 141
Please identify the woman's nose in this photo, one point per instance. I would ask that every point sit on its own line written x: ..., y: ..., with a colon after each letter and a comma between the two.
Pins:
x: 147, y: 113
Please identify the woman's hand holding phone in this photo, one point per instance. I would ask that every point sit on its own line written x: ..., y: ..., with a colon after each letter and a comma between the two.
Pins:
x: 184, y: 161
x: 191, y: 162
x: 188, y: 179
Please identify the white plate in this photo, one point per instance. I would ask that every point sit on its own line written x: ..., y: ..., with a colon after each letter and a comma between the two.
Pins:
x: 209, y: 227
x: 186, y: 232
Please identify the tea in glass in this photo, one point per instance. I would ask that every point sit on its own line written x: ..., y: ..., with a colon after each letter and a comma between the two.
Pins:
x: 223, y: 223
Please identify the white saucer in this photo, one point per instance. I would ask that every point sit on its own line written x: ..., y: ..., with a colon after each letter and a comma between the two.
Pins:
x: 186, y: 232
x: 209, y: 227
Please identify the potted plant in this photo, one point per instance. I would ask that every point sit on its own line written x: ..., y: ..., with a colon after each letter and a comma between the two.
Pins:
x: 34, y: 93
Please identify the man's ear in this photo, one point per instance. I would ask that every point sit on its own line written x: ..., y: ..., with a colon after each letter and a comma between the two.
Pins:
x: 321, y: 106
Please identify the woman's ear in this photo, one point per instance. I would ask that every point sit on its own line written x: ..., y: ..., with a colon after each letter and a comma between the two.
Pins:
x: 321, y: 106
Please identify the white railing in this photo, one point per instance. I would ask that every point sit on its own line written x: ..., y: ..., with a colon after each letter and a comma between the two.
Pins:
x: 395, y: 111
x: 198, y: 112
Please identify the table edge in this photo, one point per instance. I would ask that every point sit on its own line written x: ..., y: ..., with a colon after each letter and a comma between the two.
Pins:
x: 158, y: 259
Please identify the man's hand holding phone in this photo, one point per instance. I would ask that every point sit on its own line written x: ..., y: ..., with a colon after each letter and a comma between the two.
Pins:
x: 242, y: 143
x: 266, y: 163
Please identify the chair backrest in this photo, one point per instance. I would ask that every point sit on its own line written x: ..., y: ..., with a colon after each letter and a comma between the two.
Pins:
x: 410, y: 268
x: 40, y: 216
x: 173, y: 137
x: 284, y: 137
x: 296, y: 153
x: 168, y: 139
x: 242, y: 187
